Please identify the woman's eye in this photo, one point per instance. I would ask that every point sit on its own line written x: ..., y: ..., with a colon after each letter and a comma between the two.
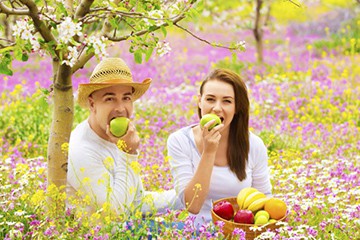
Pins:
x: 210, y: 99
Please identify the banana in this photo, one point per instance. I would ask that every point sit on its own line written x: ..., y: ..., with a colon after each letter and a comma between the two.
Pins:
x: 252, y: 197
x: 242, y: 195
x: 257, y: 204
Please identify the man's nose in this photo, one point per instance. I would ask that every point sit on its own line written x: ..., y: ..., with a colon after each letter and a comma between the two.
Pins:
x: 120, y: 107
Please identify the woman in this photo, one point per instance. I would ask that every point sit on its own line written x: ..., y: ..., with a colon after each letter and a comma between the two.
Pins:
x: 209, y: 165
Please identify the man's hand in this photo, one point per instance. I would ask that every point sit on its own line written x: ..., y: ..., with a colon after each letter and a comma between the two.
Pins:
x: 131, y: 139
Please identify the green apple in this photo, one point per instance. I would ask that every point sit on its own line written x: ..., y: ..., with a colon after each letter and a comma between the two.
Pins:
x: 208, y: 117
x: 262, y: 219
x: 262, y: 213
x: 119, y: 126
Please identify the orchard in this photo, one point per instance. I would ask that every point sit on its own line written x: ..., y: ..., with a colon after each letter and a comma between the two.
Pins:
x: 299, y: 59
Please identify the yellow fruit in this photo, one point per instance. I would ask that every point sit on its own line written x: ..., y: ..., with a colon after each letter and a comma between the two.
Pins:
x: 252, y: 197
x: 261, y: 213
x: 272, y: 221
x: 261, y: 220
x: 276, y: 208
x: 242, y: 195
x: 257, y: 204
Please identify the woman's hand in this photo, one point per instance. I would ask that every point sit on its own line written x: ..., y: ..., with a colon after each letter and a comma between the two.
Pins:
x: 211, y: 138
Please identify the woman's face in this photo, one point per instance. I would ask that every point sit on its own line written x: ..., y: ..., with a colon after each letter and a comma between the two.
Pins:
x: 218, y: 97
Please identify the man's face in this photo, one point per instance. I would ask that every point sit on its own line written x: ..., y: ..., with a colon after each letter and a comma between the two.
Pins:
x: 108, y: 103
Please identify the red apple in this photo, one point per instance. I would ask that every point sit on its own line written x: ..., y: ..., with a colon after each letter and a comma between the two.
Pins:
x: 244, y: 216
x: 224, y: 209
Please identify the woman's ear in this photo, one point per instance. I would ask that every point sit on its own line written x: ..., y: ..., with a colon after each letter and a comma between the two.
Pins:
x: 199, y: 101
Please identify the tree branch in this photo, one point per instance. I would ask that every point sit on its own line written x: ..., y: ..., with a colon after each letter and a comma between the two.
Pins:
x: 83, y: 8
x: 139, y: 33
x: 84, y: 58
x: 296, y: 4
x: 12, y: 11
x: 40, y: 25
x: 203, y: 40
x: 69, y: 5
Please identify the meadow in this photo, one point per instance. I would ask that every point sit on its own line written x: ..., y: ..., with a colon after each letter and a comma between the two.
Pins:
x: 305, y: 105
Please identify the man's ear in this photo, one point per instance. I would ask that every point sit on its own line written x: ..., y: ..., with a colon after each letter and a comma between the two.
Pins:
x: 91, y: 102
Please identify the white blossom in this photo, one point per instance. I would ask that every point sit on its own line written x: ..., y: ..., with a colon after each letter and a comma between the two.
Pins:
x: 20, y: 213
x: 72, y: 56
x: 99, y: 45
x: 155, y: 15
x: 68, y: 29
x: 241, y: 45
x: 162, y: 48
x: 23, y: 29
x: 35, y: 44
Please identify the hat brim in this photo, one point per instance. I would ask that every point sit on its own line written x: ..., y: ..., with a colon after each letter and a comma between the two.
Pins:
x: 85, y: 89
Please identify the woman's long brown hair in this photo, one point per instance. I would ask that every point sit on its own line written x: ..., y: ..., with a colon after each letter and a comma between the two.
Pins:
x: 238, y: 148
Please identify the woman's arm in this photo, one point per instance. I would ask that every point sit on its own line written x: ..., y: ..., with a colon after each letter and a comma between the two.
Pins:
x: 193, y: 187
x: 260, y: 174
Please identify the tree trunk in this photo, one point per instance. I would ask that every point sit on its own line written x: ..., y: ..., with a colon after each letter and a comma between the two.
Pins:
x: 258, y: 33
x: 259, y: 47
x: 62, y: 120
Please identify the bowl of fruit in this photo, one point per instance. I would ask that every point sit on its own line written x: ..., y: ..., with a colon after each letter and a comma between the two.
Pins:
x: 251, y: 210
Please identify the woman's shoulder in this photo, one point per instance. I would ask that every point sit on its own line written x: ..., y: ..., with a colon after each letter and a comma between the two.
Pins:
x: 182, y: 132
x: 255, y: 140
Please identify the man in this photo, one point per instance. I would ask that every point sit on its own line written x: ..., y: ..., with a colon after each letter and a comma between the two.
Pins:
x: 98, y: 170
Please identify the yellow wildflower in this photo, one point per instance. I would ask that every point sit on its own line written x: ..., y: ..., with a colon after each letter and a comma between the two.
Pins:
x: 65, y: 147
x: 135, y: 166
x: 109, y: 163
x: 198, y: 186
x: 121, y: 144
x: 38, y: 197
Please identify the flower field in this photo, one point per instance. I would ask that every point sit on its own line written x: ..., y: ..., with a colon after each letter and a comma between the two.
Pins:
x: 305, y: 105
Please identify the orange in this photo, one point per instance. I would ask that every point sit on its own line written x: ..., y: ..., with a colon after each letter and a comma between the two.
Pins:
x: 276, y: 208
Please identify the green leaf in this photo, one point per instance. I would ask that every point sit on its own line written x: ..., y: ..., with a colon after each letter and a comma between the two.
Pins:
x: 5, y: 70
x: 138, y: 56
x: 24, y: 57
x: 113, y: 22
x: 53, y: 25
x: 148, y: 53
x: 5, y: 63
x: 193, y: 13
x: 183, y: 215
x: 6, y: 49
x: 170, y: 23
x: 163, y: 29
x: 63, y: 9
x: 18, y: 53
x: 200, y: 5
x: 152, y: 28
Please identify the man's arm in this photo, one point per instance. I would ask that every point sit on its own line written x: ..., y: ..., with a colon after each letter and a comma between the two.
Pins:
x: 104, y: 179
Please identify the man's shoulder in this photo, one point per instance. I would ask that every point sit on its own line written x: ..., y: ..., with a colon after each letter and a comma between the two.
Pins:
x: 81, y: 132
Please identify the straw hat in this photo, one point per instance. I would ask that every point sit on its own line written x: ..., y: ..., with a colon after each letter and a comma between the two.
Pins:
x: 110, y: 72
